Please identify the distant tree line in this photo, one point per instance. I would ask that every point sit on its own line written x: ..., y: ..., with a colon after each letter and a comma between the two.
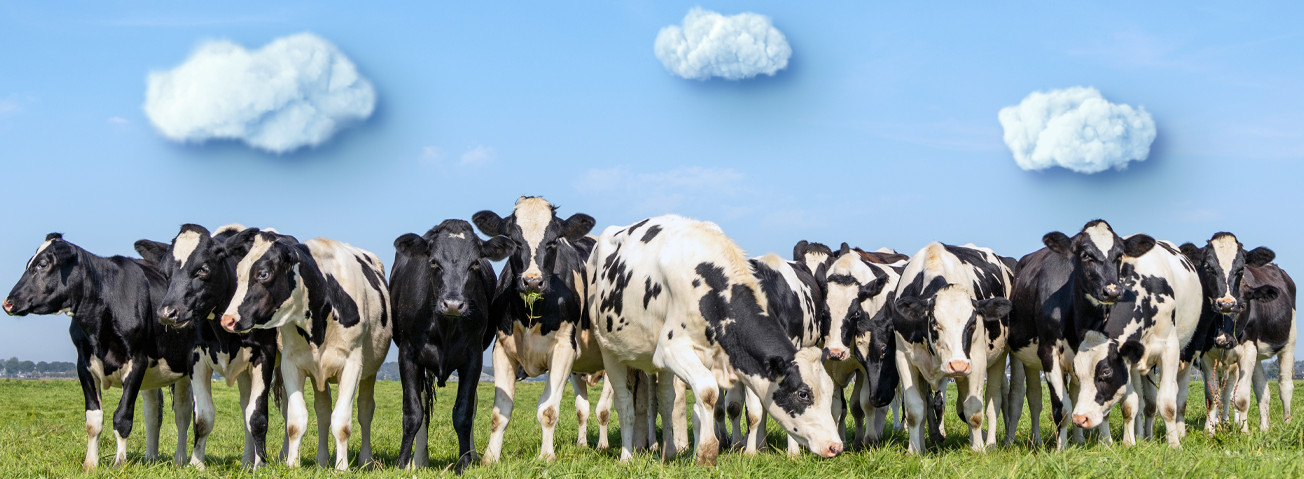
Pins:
x: 18, y: 369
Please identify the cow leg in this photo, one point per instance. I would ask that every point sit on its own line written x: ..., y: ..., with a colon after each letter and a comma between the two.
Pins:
x: 875, y: 416
x: 1149, y: 406
x: 1062, y: 394
x: 683, y: 361
x: 1248, y: 360
x: 1183, y: 390
x: 153, y: 409
x: 721, y: 419
x: 756, y: 419
x: 672, y: 402
x: 94, y: 414
x: 296, y: 411
x: 604, y: 413
x: 1286, y: 376
x: 342, y: 413
x: 413, y: 379
x: 367, y: 411
x: 321, y: 405
x: 244, y: 381
x: 1229, y: 378
x: 618, y: 376
x: 124, y: 417
x: 1210, y: 404
x: 259, y: 376
x: 559, y: 370
x: 1168, y: 371
x: 912, y: 401
x: 504, y: 390
x: 859, y: 394
x: 643, y: 423
x: 734, y: 399
x: 464, y: 412
x: 991, y: 401
x: 581, y: 388
x: 1014, y: 399
x: 896, y: 409
x: 204, y: 411
x: 1260, y: 384
x: 183, y: 407
x: 1131, y: 406
x: 1032, y: 380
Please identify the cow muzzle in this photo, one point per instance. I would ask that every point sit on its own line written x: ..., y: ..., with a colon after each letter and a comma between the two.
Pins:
x: 832, y: 450
x: 1082, y: 421
x: 532, y: 283
x: 9, y: 306
x: 229, y: 321
x: 1110, y: 294
x: 956, y: 368
x: 452, y: 307
x: 1224, y: 341
x: 168, y: 316
x: 1226, y: 304
x: 836, y: 353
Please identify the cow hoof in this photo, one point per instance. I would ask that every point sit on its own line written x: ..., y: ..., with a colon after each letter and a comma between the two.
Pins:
x: 464, y: 462
x: 547, y: 457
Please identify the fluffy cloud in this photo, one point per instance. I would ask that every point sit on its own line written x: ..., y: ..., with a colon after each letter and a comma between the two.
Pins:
x: 1076, y: 129
x: 297, y: 91
x: 479, y: 155
x: 712, y: 45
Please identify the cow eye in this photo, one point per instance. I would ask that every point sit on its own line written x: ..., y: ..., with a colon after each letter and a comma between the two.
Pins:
x: 202, y: 271
x: 1106, y: 372
x: 882, y: 351
x: 803, y: 395
x: 1086, y: 257
x: 475, y: 266
x: 264, y: 275
x: 43, y: 263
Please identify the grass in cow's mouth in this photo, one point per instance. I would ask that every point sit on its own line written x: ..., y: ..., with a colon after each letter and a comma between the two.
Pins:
x: 531, y: 298
x: 42, y: 428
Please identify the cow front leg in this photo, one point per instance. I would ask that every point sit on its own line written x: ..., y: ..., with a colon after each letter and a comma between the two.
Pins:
x: 321, y: 405
x: 296, y: 412
x: 1211, y: 404
x: 993, y: 399
x: 915, y: 409
x: 124, y: 416
x: 183, y: 407
x: 682, y: 359
x: 618, y: 376
x: 857, y: 409
x: 875, y: 417
x: 1183, y: 390
x: 153, y: 409
x: 672, y: 403
x: 549, y: 413
x: 643, y: 424
x: 735, y: 404
x: 1019, y: 385
x: 1249, y: 359
x: 581, y: 388
x: 204, y: 411
x: 464, y: 413
x: 1168, y: 395
x: 1131, y: 405
x: 367, y: 411
x: 969, y: 406
x: 413, y: 378
x: 244, y: 380
x: 756, y: 420
x: 1260, y: 384
x: 1286, y: 376
x: 504, y: 391
x: 605, y: 401
x: 342, y: 414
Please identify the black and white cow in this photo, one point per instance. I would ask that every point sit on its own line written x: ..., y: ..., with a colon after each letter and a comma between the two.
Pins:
x: 200, y: 285
x: 1060, y: 292
x: 119, y: 344
x: 538, y: 308
x: 795, y: 301
x: 441, y: 289
x: 1252, y: 302
x: 1149, y: 327
x: 951, y: 321
x: 858, y: 291
x: 329, y: 302
x: 675, y: 295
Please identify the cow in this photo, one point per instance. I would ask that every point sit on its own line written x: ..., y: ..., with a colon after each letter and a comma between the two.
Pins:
x: 538, y: 309
x: 1061, y: 291
x: 795, y: 301
x: 329, y: 303
x: 1149, y: 327
x: 671, y: 295
x: 858, y: 290
x: 441, y: 289
x: 951, y: 321
x: 200, y: 284
x: 119, y: 344
x: 1252, y: 302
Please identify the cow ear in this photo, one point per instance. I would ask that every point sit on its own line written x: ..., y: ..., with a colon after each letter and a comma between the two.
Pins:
x: 912, y: 308
x: 489, y: 223
x: 412, y: 245
x: 1263, y: 293
x: 578, y: 225
x: 993, y: 308
x: 799, y: 251
x: 1132, y: 350
x: 775, y: 367
x: 1191, y: 251
x: 64, y: 253
x: 872, y: 288
x: 1258, y: 257
x: 1138, y: 245
x: 1058, y: 242
x: 846, y: 248
x: 152, y: 251
x: 497, y: 248
x: 238, y: 246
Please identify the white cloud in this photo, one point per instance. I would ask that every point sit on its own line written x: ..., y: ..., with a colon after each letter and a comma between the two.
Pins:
x: 1076, y: 129
x: 117, y: 120
x: 709, y: 44
x: 297, y: 91
x: 431, y: 155
x: 479, y: 155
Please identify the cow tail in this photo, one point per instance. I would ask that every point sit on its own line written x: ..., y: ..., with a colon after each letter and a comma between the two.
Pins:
x: 429, y: 385
x: 278, y: 390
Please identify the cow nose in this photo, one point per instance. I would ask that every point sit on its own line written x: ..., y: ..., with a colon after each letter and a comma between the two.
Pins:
x: 958, y: 366
x: 532, y: 282
x: 228, y: 322
x: 1226, y: 305
x: 1223, y: 341
x: 168, y: 314
x: 1080, y: 420
x: 838, y: 354
x: 451, y: 307
x: 8, y: 305
x: 1112, y: 291
x: 834, y: 450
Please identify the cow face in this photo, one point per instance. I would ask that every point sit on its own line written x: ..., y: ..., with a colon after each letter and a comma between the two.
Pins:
x: 46, y: 285
x: 269, y: 288
x: 1221, y: 266
x: 875, y: 348
x: 817, y: 258
x: 198, y: 278
x: 455, y: 255
x: 1102, y: 369
x: 1096, y: 253
x: 535, y: 229
x: 800, y: 398
x: 851, y: 287
x: 952, y: 317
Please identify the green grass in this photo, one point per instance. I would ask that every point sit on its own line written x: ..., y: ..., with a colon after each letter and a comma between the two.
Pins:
x: 42, y: 434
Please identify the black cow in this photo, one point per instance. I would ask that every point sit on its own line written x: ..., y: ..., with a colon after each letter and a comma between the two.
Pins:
x: 200, y: 285
x: 538, y: 309
x: 441, y: 289
x: 1060, y: 292
x: 1251, y: 306
x: 111, y: 302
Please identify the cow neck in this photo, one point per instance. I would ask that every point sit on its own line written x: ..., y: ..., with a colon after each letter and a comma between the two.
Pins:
x: 318, y: 308
x: 1085, y: 315
x: 229, y: 341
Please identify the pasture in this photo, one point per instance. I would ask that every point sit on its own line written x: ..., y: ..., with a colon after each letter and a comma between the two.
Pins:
x: 43, y: 435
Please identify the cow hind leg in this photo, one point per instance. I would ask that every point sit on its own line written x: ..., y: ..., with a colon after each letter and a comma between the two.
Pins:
x: 182, y: 409
x: 1260, y: 384
x: 604, y: 413
x: 581, y: 389
x: 366, y: 411
x: 618, y: 376
x: 1032, y: 388
x: 1014, y: 399
x: 1286, y: 377
x: 153, y: 409
x: 683, y: 361
x: 321, y: 403
x: 756, y: 419
x: 734, y: 401
x: 857, y: 410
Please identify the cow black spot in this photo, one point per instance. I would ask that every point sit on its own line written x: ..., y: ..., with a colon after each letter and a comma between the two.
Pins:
x: 697, y: 282
x: 609, y: 323
x: 638, y: 225
x: 651, y: 233
x: 650, y: 291
x: 671, y: 334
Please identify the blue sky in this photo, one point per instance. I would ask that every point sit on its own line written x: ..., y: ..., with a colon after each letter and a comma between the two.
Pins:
x: 882, y: 130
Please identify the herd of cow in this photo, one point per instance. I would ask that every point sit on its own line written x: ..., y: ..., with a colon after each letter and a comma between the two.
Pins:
x: 660, y: 307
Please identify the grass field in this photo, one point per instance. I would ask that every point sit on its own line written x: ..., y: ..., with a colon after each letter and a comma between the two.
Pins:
x: 43, y: 435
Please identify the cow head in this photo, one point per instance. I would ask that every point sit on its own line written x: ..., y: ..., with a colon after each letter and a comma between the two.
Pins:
x: 536, y: 230
x: 199, y: 279
x: 1096, y: 252
x: 1102, y: 367
x: 798, y: 393
x: 952, y: 316
x: 47, y: 284
x: 853, y: 296
x: 817, y: 258
x: 455, y: 255
x: 1221, y: 266
x: 269, y: 290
